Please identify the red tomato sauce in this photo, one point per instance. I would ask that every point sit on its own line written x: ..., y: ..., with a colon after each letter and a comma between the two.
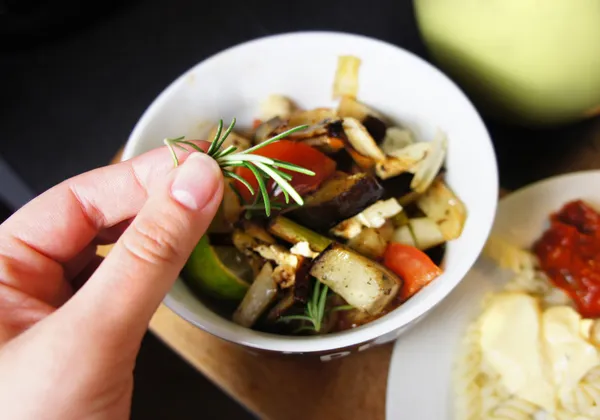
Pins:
x: 569, y: 253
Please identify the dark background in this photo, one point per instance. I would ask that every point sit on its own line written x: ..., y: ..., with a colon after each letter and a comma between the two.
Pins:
x: 76, y: 75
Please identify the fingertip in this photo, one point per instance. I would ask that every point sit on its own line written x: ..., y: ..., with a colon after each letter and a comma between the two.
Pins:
x: 197, y: 181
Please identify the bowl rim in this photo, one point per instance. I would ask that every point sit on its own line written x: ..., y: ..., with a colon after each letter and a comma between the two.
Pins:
x: 389, y: 323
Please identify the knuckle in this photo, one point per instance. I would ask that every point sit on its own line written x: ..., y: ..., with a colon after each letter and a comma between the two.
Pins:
x: 154, y: 242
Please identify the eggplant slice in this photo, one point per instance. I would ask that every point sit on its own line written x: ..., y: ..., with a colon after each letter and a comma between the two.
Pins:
x: 338, y: 199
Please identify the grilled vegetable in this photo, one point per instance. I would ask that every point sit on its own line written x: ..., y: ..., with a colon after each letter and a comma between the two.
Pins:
x: 294, y: 233
x: 368, y: 243
x: 295, y: 153
x: 350, y: 107
x: 426, y: 232
x: 407, y: 159
x: 431, y: 165
x: 376, y: 214
x: 375, y: 127
x: 267, y: 129
x: 338, y: 199
x: 346, y: 77
x: 441, y: 205
x: 229, y: 211
x: 276, y: 106
x: 373, y: 216
x: 412, y: 265
x: 361, y: 140
x: 395, y: 139
x: 257, y: 232
x: 362, y: 163
x: 373, y: 121
x: 284, y: 304
x: 386, y: 231
x: 318, y: 129
x: 360, y: 281
x: 312, y: 116
x: 219, y: 271
x: 403, y: 235
x: 325, y: 144
x: 260, y: 295
x: 326, y: 136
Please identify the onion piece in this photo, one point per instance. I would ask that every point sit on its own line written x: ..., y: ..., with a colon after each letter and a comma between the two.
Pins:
x: 350, y: 107
x: 408, y: 159
x: 396, y: 138
x: 403, y: 235
x: 346, y: 77
x: 431, y: 165
x: 376, y: 214
x: 440, y: 204
x: 268, y: 128
x: 426, y: 233
x: 258, y: 232
x: 369, y: 243
x: 310, y: 117
x: 276, y: 106
x: 361, y: 140
x: 259, y: 296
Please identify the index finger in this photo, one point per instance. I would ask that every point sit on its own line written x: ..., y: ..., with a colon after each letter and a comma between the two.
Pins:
x: 62, y: 221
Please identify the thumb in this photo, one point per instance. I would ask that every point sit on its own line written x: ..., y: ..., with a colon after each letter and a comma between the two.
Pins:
x: 120, y: 298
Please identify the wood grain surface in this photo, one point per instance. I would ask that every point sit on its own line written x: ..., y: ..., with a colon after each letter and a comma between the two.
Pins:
x: 353, y: 387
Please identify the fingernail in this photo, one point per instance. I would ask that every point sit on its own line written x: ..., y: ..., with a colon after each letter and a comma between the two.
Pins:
x: 196, y: 181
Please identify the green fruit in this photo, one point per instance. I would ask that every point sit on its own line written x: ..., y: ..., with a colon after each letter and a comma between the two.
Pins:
x: 220, y: 271
x: 526, y: 61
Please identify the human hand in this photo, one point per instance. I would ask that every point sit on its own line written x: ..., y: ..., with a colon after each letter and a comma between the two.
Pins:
x: 71, y: 324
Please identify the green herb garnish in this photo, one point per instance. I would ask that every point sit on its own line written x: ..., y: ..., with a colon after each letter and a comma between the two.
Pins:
x: 262, y: 168
x: 315, y: 310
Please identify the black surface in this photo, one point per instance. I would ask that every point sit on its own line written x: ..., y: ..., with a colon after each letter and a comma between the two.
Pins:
x: 73, y: 90
x: 74, y: 81
x: 74, y: 99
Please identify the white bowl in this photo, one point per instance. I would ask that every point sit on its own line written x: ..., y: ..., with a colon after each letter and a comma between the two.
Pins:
x: 302, y: 66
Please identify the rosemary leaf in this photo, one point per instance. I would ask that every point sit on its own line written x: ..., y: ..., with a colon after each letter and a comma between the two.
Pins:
x: 263, y: 188
x: 274, y: 139
x: 341, y: 308
x: 239, y: 178
x: 292, y: 167
x: 231, y: 149
x: 281, y: 182
x: 284, y: 175
x: 212, y: 149
x: 219, y: 143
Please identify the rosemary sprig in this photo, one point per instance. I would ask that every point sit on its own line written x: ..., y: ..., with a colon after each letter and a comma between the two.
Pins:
x: 315, y: 310
x: 261, y: 167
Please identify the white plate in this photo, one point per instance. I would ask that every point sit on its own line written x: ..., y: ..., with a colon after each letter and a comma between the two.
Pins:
x: 419, y: 381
